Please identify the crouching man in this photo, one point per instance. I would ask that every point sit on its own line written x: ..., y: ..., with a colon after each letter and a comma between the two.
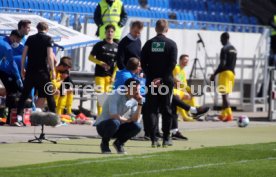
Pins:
x: 120, y: 113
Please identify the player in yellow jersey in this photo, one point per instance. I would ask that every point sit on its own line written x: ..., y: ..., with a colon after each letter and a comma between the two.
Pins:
x: 226, y: 75
x: 63, y: 96
x: 103, y: 55
x: 182, y: 89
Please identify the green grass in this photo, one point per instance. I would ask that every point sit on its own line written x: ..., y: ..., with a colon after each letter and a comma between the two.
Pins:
x: 256, y: 160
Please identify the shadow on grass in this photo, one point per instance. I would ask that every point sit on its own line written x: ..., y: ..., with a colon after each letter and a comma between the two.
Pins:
x: 55, y: 135
x: 71, y: 152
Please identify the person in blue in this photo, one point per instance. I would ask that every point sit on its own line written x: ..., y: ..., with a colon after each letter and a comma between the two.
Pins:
x: 132, y: 70
x: 9, y: 72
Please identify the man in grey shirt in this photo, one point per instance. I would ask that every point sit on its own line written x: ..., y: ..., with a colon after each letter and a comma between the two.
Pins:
x: 121, y: 111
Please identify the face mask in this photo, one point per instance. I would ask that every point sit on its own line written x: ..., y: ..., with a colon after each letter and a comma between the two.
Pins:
x: 15, y: 45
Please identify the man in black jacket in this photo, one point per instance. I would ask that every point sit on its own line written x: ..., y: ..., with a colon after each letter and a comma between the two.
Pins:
x: 130, y: 45
x: 158, y: 59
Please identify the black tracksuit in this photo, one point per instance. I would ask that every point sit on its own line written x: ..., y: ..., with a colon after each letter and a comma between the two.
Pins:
x: 158, y: 59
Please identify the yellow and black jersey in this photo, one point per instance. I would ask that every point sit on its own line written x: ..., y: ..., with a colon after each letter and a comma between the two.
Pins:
x: 105, y: 52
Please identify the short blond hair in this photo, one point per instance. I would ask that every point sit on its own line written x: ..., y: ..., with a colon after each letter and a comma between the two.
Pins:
x: 42, y: 26
x: 161, y: 26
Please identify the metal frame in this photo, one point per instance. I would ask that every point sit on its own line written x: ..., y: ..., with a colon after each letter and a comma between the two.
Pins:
x: 272, y: 96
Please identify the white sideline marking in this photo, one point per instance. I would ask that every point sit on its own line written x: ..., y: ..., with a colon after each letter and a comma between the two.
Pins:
x: 86, y: 162
x: 189, y: 167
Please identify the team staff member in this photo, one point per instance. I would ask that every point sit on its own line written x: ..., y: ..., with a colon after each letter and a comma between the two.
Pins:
x: 9, y: 71
x: 24, y: 27
x: 103, y: 54
x: 40, y: 54
x: 130, y: 45
x: 158, y: 59
x: 120, y: 115
x: 226, y: 75
x: 110, y: 12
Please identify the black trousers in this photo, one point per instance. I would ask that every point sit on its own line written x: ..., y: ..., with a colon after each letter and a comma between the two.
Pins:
x: 159, y: 102
x: 12, y: 91
x: 177, y: 102
x: 42, y: 83
x: 9, y: 83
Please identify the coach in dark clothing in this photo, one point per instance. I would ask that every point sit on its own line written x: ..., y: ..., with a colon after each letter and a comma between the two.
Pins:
x: 130, y: 45
x: 40, y: 54
x: 158, y: 59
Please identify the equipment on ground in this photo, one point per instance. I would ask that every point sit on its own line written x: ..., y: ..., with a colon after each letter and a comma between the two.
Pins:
x: 43, y: 118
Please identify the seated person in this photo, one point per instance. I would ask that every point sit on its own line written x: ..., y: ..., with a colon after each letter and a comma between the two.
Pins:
x: 182, y: 90
x: 119, y: 117
x: 65, y: 99
x: 63, y: 96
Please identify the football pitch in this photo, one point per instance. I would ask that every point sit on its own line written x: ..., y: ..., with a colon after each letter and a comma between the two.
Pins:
x: 221, y: 152
x: 255, y: 160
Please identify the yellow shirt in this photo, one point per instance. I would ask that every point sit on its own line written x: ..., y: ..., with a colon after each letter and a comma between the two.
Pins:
x: 180, y: 74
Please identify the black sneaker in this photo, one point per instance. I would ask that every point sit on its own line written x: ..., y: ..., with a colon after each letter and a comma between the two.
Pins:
x: 105, y: 148
x: 167, y: 143
x: 119, y: 147
x: 200, y: 111
x: 155, y: 144
x: 178, y: 136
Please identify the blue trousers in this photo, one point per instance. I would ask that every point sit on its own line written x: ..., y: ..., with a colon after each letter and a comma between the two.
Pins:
x: 113, y: 128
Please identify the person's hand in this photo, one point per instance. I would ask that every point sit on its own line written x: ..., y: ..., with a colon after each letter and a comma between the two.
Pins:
x: 57, y: 92
x: 187, y: 96
x: 70, y: 90
x: 138, y: 97
x: 212, y: 78
x: 53, y: 75
x: 112, y: 80
x: 23, y: 73
x: 105, y: 66
x: 178, y: 84
x: 141, y: 75
x: 123, y: 119
x: 156, y: 82
x: 19, y: 83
